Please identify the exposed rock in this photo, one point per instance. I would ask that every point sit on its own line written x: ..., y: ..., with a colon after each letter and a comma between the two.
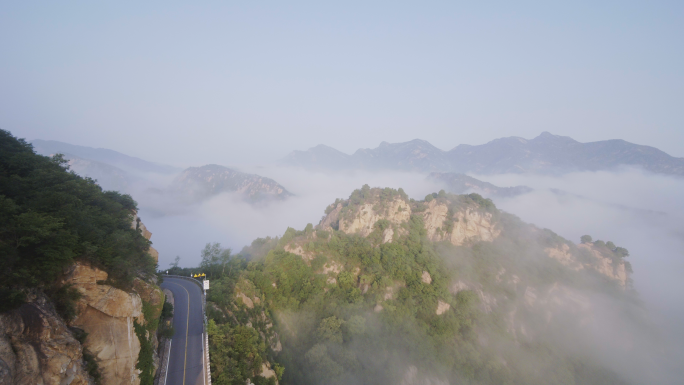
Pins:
x: 332, y: 219
x: 387, y: 235
x: 562, y: 254
x: 469, y: 225
x: 332, y: 267
x: 610, y: 267
x: 473, y: 225
x: 246, y: 300
x: 266, y: 371
x: 37, y: 348
x: 137, y: 223
x: 153, y: 295
x: 297, y: 249
x: 433, y: 218
x: 107, y: 315
x: 442, y: 307
x: 365, y: 217
x: 426, y: 278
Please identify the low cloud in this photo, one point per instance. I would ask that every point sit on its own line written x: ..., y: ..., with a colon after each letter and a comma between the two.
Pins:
x: 636, y: 210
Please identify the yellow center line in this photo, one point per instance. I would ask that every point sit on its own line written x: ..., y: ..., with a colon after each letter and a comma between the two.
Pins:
x: 187, y: 325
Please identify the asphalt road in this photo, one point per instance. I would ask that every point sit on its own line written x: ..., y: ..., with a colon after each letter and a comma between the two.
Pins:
x: 185, y: 359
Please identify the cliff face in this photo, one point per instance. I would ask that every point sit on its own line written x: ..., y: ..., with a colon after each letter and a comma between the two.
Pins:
x: 37, y: 348
x: 363, y: 219
x: 468, y: 224
x: 137, y: 224
x: 107, y: 315
x: 443, y: 219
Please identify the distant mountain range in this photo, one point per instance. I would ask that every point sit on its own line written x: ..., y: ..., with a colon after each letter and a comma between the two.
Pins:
x: 545, y: 154
x: 199, y: 183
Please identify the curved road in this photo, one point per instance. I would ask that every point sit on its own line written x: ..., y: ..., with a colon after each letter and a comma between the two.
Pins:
x: 186, y: 356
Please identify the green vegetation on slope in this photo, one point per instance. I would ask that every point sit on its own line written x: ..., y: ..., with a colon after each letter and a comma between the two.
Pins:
x: 352, y: 309
x: 50, y: 217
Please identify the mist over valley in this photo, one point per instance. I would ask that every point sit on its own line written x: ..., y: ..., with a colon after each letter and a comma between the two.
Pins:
x: 626, y: 205
x: 364, y: 193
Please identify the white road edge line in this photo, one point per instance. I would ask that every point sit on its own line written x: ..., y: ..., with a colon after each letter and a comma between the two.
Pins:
x: 168, y: 358
x: 204, y: 366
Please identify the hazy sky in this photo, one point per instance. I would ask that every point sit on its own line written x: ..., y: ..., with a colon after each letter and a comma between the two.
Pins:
x: 243, y: 82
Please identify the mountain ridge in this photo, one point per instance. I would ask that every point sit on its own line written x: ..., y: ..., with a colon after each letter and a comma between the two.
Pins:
x: 103, y: 155
x: 199, y: 183
x: 544, y: 154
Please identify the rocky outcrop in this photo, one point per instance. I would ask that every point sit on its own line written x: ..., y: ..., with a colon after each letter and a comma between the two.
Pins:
x: 363, y: 219
x: 613, y: 268
x: 467, y: 225
x: 36, y: 347
x: 299, y: 250
x: 137, y: 224
x: 442, y: 307
x: 107, y: 315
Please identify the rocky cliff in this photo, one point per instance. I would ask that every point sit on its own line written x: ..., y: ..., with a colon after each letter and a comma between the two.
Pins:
x: 36, y: 347
x: 456, y: 219
x: 108, y: 314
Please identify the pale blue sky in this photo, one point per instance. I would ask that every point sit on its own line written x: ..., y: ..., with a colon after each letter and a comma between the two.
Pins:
x: 242, y: 82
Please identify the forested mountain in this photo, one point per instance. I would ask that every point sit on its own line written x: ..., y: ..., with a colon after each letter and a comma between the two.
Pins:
x: 390, y: 290
x: 199, y: 183
x: 78, y: 300
x: 545, y: 154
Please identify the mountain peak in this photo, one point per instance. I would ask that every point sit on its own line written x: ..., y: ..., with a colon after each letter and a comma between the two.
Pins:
x: 547, y: 136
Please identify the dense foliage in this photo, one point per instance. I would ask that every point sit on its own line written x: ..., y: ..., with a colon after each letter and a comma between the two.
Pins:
x: 50, y: 217
x: 352, y: 309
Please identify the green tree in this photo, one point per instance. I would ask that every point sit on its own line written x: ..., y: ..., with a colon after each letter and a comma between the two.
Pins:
x: 329, y: 330
x: 176, y: 261
x: 586, y: 239
x: 225, y: 258
x: 210, y: 255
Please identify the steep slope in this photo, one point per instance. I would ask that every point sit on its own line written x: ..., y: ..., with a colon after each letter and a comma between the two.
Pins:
x: 199, y: 183
x: 447, y: 290
x: 79, y: 299
x: 545, y: 154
